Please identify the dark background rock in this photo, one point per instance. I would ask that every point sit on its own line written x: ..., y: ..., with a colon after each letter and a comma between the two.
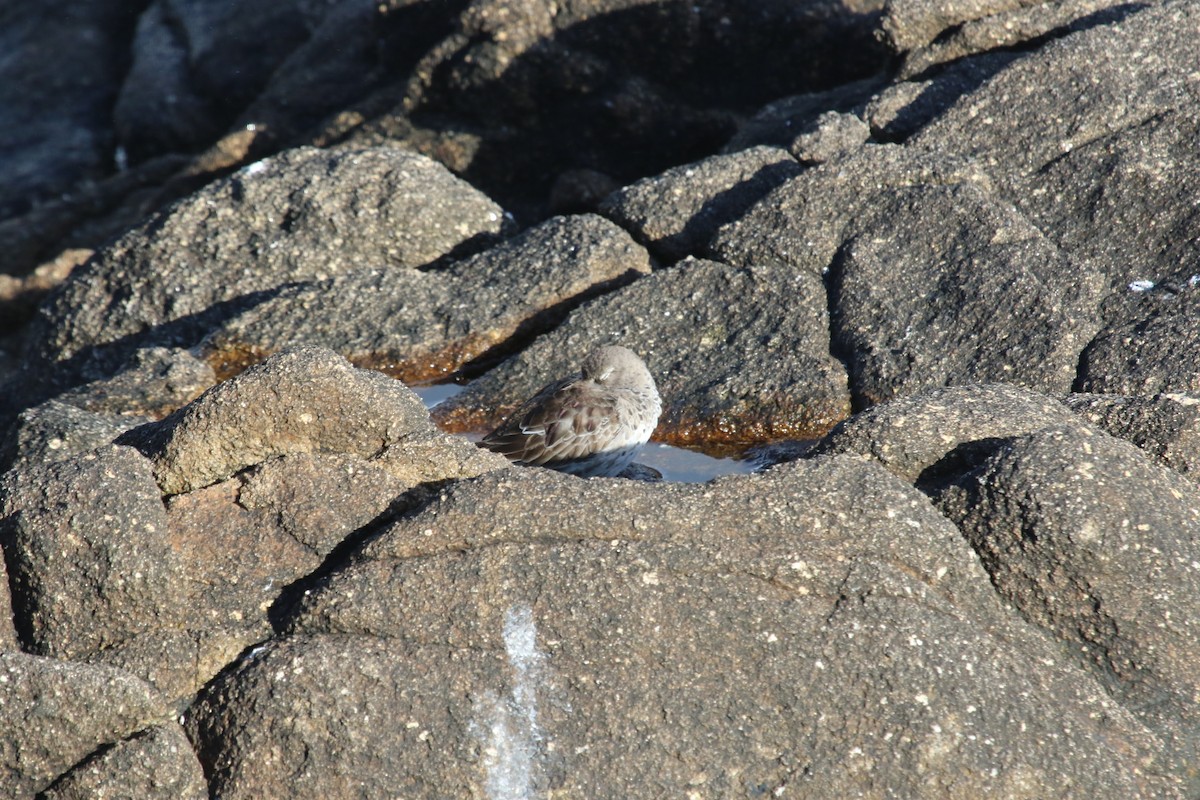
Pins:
x: 427, y: 325
x: 56, y: 128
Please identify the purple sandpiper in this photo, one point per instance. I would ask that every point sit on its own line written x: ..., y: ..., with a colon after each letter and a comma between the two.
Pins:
x: 590, y: 424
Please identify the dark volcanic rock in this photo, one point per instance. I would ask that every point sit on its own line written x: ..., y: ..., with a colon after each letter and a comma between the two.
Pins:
x: 155, y: 763
x: 55, y: 431
x: 197, y: 64
x: 303, y: 215
x: 1125, y: 201
x: 931, y: 436
x: 419, y: 326
x: 154, y: 382
x: 677, y: 212
x: 1091, y: 540
x: 942, y: 286
x: 306, y: 400
x: 666, y: 637
x: 1089, y: 85
x: 1150, y: 346
x: 739, y: 355
x: 60, y: 74
x: 86, y: 542
x: 933, y: 280
x: 56, y: 713
x: 1166, y: 426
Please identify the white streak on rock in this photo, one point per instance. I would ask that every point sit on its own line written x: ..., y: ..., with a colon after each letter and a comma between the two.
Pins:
x: 513, y: 743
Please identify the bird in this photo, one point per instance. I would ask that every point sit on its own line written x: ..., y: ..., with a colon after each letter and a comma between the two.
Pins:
x: 590, y: 424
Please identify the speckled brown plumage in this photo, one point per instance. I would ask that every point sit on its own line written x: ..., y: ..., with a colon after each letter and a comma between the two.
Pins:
x: 589, y: 424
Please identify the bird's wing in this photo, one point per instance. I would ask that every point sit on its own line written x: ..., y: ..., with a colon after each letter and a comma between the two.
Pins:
x: 559, y: 424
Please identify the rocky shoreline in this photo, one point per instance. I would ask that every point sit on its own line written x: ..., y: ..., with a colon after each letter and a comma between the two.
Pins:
x: 936, y: 262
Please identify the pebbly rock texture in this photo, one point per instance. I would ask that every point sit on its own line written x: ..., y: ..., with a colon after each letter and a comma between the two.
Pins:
x: 265, y: 476
x: 739, y: 355
x: 1150, y: 346
x: 419, y: 326
x: 305, y: 400
x: 1165, y: 426
x: 155, y: 763
x: 303, y: 215
x: 676, y: 212
x: 965, y: 208
x: 666, y: 637
x: 1091, y: 540
x: 57, y: 713
x: 926, y: 438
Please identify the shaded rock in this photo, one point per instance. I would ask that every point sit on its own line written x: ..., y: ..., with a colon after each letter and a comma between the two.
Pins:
x: 90, y: 560
x: 418, y: 326
x: 305, y: 400
x: 676, y: 212
x: 577, y: 191
x: 806, y: 220
x: 943, y: 285
x: 19, y: 296
x: 60, y: 74
x: 935, y: 435
x: 739, y: 355
x: 196, y: 65
x: 781, y: 122
x: 1150, y: 346
x: 56, y: 713
x: 1088, y: 85
x: 666, y: 637
x: 153, y: 383
x: 1091, y: 540
x: 1008, y: 24
x: 1124, y: 201
x: 155, y: 763
x: 1165, y: 426
x: 55, y: 431
x: 519, y: 93
x: 305, y: 214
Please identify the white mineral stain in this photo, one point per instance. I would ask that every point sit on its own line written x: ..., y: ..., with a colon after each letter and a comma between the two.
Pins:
x: 513, y: 738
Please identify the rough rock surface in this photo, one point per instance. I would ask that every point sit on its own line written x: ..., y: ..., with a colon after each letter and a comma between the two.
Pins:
x: 739, y: 355
x: 967, y: 591
x: 56, y: 713
x: 676, y: 213
x: 289, y: 218
x: 924, y: 438
x: 1150, y: 346
x: 628, y: 633
x: 156, y: 763
x: 419, y: 326
x: 1090, y: 539
x: 1166, y: 426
